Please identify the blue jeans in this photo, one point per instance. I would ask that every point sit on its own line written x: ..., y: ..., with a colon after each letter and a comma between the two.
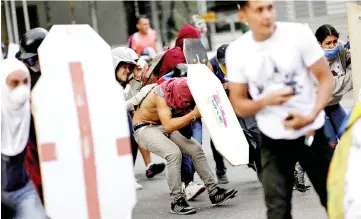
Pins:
x: 335, y: 115
x: 25, y: 202
x: 187, y: 170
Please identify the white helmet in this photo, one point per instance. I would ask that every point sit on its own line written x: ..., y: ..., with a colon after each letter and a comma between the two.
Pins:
x: 123, y: 54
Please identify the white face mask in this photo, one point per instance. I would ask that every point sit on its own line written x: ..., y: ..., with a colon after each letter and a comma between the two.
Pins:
x: 19, y: 96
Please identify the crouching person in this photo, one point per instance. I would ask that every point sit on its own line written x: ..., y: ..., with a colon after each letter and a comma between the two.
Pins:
x: 17, y: 191
x: 165, y: 110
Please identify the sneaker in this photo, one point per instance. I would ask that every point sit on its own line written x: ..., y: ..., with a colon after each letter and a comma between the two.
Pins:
x: 219, y: 195
x: 299, y: 180
x: 137, y: 185
x: 181, y: 207
x: 252, y: 166
x: 222, y: 179
x: 154, y: 169
x: 193, y: 190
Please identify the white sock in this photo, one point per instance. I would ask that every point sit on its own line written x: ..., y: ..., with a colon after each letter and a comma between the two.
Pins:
x: 150, y: 164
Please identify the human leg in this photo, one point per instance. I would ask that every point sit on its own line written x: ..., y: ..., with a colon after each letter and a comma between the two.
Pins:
x: 329, y: 128
x: 316, y: 160
x: 194, y: 150
x: 337, y: 115
x: 152, y: 168
x: 278, y: 162
x: 25, y: 202
x: 221, y: 168
x: 133, y: 143
x: 154, y: 139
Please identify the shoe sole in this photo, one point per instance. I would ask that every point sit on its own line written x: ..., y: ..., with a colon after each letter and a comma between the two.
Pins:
x: 302, y: 189
x: 184, y: 213
x: 154, y: 173
x: 200, y: 191
x: 223, y: 181
x: 232, y: 195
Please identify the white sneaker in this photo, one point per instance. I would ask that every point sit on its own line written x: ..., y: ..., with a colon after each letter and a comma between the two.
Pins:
x: 137, y: 185
x: 193, y: 190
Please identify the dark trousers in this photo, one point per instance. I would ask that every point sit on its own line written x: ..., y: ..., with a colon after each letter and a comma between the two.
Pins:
x: 133, y: 143
x: 221, y: 168
x: 187, y: 170
x: 278, y: 159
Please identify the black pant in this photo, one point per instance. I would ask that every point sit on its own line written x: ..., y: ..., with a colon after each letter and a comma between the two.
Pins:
x: 133, y: 143
x: 253, y: 136
x: 220, y: 166
x: 278, y: 159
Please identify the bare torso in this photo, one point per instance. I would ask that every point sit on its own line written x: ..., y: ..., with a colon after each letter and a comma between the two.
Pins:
x: 147, y: 112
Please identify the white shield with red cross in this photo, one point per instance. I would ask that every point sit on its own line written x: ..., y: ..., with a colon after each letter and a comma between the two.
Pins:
x: 82, y: 128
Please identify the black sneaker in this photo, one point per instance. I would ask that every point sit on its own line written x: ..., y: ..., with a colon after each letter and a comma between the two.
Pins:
x: 154, y: 169
x: 181, y: 207
x: 219, y: 195
x: 299, y: 180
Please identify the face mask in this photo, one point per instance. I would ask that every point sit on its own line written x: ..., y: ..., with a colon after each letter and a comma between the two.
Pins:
x: 331, y: 53
x: 19, y: 96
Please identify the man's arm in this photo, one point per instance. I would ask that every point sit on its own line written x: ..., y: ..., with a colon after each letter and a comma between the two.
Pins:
x: 322, y: 72
x: 243, y: 106
x: 165, y: 115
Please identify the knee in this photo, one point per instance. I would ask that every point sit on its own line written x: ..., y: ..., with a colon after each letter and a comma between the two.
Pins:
x: 174, y: 156
x: 195, y: 151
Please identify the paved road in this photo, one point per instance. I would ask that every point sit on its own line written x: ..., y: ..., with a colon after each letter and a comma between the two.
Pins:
x: 154, y: 201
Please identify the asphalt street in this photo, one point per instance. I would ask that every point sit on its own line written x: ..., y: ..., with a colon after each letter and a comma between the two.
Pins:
x: 154, y: 202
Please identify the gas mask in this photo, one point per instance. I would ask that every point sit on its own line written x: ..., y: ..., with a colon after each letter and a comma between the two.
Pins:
x: 331, y: 53
x: 18, y: 96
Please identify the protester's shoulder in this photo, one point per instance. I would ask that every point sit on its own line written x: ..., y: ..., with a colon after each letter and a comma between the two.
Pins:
x: 239, y: 45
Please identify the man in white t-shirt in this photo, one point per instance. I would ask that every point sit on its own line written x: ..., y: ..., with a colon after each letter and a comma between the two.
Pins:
x: 276, y: 62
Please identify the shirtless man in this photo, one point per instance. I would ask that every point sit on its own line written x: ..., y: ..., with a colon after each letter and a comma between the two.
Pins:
x: 166, y: 109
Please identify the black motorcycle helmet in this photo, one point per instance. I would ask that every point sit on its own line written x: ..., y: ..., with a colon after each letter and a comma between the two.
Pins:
x: 30, y: 42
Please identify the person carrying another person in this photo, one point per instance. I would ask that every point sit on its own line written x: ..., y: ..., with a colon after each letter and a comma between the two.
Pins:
x: 339, y: 61
x: 145, y: 37
x: 168, y: 108
x: 125, y: 69
x: 249, y: 125
x: 276, y: 63
x: 17, y: 191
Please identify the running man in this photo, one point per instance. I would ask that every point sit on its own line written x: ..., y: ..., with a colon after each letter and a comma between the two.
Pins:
x: 275, y: 62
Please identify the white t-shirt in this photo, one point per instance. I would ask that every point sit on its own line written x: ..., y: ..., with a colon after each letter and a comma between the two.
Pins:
x: 279, y: 62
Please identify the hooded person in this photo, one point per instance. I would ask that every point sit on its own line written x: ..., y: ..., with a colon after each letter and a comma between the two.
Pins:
x: 178, y: 96
x: 175, y: 56
x: 126, y: 65
x: 17, y: 191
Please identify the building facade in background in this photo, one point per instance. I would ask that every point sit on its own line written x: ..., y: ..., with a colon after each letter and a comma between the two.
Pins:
x: 115, y: 20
